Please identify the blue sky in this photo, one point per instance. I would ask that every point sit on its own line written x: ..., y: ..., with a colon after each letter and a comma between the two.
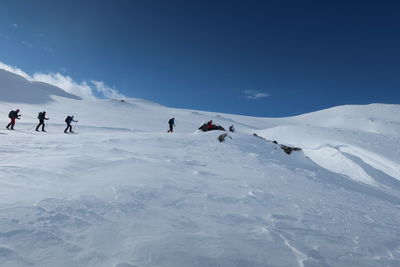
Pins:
x: 259, y: 58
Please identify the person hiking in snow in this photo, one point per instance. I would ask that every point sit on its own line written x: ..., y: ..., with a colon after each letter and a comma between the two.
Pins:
x: 210, y: 125
x: 232, y: 128
x: 68, y: 120
x: 171, y: 124
x: 42, y: 118
x: 13, y: 115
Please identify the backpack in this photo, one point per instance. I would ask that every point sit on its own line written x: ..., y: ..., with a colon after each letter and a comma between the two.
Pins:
x: 10, y: 115
x: 68, y: 119
x: 40, y: 116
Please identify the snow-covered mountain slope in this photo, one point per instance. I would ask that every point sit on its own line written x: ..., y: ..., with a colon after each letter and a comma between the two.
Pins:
x: 345, y: 139
x: 123, y: 192
x: 15, y: 88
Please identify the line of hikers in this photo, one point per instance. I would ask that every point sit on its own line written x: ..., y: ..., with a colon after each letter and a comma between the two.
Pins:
x: 14, y: 115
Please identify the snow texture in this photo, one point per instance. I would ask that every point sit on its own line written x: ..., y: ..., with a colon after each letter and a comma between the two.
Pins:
x: 122, y: 192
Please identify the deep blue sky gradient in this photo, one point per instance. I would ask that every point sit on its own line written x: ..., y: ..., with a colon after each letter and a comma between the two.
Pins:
x: 307, y: 55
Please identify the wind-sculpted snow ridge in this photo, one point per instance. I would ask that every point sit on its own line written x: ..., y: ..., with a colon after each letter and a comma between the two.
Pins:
x: 347, y: 151
x: 17, y: 89
x: 122, y: 192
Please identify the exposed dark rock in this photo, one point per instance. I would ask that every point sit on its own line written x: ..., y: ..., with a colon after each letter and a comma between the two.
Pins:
x: 287, y: 149
x: 222, y: 137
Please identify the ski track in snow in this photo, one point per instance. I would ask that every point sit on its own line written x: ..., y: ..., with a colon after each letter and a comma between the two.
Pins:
x: 122, y: 192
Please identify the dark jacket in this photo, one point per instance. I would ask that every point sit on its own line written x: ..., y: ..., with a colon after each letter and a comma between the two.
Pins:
x: 69, y: 119
x: 13, y: 114
x: 42, y: 116
x: 171, y: 121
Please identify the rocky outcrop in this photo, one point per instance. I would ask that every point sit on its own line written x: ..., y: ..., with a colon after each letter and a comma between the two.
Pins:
x: 222, y: 137
x: 287, y: 149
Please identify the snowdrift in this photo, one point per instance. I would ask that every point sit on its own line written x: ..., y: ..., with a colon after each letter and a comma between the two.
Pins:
x: 16, y: 89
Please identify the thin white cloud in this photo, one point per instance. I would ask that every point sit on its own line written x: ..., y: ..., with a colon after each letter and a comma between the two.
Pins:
x: 66, y: 83
x: 83, y: 89
x: 107, y: 91
x: 254, y: 95
x: 15, y: 25
x: 27, y: 43
x: 15, y: 70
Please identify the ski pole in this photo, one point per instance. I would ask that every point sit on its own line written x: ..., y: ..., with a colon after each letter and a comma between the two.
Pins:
x: 75, y: 125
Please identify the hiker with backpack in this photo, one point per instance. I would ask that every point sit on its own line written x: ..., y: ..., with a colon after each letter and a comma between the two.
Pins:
x: 13, y: 115
x: 171, y: 124
x: 42, y: 118
x: 68, y: 120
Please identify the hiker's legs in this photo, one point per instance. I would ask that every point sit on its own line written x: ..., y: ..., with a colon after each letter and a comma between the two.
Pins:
x: 12, y: 123
x: 41, y: 123
x: 68, y: 127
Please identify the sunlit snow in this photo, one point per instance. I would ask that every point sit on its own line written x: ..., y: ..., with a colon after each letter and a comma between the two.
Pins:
x: 123, y: 192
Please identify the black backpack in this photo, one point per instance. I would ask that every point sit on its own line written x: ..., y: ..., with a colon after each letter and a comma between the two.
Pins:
x: 11, y: 114
x: 40, y: 116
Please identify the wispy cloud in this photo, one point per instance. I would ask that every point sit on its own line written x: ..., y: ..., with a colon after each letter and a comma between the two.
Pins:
x: 66, y: 83
x: 14, y: 70
x: 83, y: 89
x: 27, y: 43
x: 254, y: 95
x: 15, y: 25
x: 106, y: 90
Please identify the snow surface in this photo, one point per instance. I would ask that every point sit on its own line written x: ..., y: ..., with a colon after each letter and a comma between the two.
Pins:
x: 15, y: 88
x: 122, y: 192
